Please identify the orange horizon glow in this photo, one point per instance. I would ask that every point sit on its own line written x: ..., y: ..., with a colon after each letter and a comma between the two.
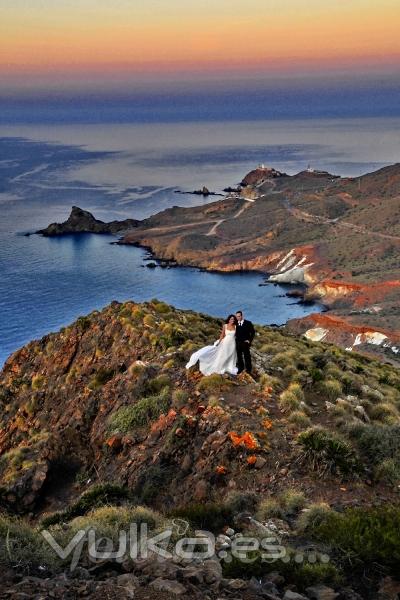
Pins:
x: 106, y: 37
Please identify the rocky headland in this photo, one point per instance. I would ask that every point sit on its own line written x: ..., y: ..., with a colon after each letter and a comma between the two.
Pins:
x: 82, y: 221
x: 102, y: 426
x: 340, y: 237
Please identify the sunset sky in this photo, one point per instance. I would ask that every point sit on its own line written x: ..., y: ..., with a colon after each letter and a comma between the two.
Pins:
x: 82, y: 44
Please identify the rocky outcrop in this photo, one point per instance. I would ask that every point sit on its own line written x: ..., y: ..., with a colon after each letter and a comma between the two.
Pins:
x: 112, y: 390
x: 204, y: 191
x: 203, y: 579
x: 82, y: 221
x: 260, y: 175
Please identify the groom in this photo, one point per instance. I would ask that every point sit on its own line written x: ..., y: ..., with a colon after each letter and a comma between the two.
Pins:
x: 244, y: 336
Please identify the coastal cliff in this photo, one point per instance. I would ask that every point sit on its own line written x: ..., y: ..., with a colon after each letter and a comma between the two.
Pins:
x: 101, y: 425
x: 340, y: 237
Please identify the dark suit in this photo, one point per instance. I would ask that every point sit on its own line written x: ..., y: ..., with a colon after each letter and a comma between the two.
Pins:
x: 244, y: 336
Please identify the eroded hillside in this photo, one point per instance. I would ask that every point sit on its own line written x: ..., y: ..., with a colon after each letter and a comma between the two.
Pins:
x: 109, y: 397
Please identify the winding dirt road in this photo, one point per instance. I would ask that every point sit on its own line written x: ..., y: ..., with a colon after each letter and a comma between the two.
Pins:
x: 320, y: 220
x: 213, y: 230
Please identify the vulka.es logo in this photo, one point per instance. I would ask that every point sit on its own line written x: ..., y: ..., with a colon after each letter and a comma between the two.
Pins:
x: 137, y: 544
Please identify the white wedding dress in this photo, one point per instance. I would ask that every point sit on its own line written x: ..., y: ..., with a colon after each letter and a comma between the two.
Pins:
x: 220, y: 358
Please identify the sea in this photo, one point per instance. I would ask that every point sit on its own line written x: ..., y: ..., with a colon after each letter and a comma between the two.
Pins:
x: 120, y: 170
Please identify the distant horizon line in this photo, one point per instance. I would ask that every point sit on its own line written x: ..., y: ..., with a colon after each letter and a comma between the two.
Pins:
x: 287, y: 72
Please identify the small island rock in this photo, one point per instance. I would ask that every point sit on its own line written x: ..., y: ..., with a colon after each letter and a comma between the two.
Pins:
x: 82, y: 221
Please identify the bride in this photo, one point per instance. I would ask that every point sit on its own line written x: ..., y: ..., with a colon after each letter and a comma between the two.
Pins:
x: 222, y: 356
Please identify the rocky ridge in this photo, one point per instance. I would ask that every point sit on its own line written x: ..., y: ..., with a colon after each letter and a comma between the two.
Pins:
x: 101, y: 423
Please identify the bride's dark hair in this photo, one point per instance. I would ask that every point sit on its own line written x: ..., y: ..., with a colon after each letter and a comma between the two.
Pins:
x: 229, y: 318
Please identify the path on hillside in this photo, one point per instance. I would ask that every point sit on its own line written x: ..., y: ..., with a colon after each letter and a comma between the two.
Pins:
x: 295, y: 212
x: 215, y: 223
x: 213, y: 230
x: 320, y: 220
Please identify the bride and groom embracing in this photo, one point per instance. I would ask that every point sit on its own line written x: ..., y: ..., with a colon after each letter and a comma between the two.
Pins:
x: 231, y: 353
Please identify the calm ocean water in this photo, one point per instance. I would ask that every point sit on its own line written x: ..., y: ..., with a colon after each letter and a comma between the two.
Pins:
x: 132, y: 170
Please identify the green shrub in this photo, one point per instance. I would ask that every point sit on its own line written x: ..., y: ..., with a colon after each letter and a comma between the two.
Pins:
x: 286, y: 504
x: 149, y: 321
x: 179, y: 398
x: 283, y: 359
x: 267, y: 381
x: 83, y: 323
x: 377, y: 442
x: 152, y: 480
x: 108, y: 521
x: 169, y: 364
x: 24, y: 547
x: 136, y: 369
x: 214, y: 383
x: 241, y: 501
x: 288, y: 401
x: 379, y: 445
x: 14, y: 462
x: 291, y: 398
x: 211, y: 516
x: 316, y: 375
x: 292, y: 500
x: 309, y: 574
x: 390, y: 378
x: 352, y: 383
x: 299, y: 418
x: 331, y: 388
x: 312, y: 516
x: 381, y: 412
x: 290, y: 372
x: 145, y: 411
x: 320, y: 360
x: 300, y: 575
x: 326, y: 451
x: 370, y: 535
x: 161, y: 307
x: 269, y: 508
x: 154, y: 385
x: 388, y: 471
x: 372, y: 394
x: 101, y: 378
x: 269, y: 348
x: 38, y: 382
x: 97, y: 496
x: 332, y: 372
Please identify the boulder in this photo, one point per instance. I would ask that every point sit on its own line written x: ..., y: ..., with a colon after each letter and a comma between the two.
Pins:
x: 169, y: 586
x: 360, y: 412
x: 321, y: 592
x: 389, y: 589
x: 236, y: 584
x: 289, y: 595
x: 212, y: 570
